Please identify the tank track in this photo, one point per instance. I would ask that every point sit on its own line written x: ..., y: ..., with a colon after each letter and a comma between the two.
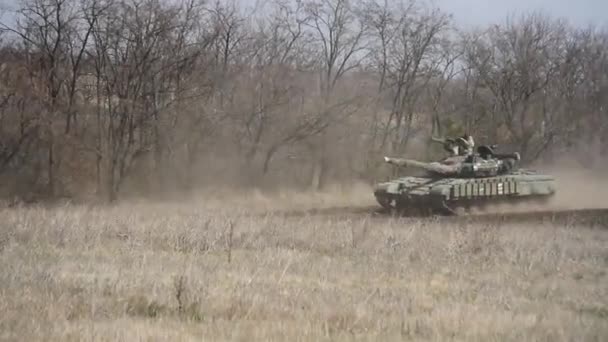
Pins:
x: 438, y: 206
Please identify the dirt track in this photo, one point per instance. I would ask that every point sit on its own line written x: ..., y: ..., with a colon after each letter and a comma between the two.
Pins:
x: 592, y: 217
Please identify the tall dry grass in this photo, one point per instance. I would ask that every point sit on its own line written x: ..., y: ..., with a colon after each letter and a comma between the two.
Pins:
x: 207, y: 272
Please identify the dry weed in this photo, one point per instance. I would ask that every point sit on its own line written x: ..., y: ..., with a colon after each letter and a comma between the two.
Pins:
x: 171, y: 272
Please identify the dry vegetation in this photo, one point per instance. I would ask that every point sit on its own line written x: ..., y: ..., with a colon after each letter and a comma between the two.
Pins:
x: 176, y: 271
x: 128, y: 100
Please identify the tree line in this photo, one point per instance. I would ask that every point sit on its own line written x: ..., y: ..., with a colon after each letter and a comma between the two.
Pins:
x: 104, y: 97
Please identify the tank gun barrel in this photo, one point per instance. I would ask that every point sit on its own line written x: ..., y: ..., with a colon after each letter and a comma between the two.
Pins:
x: 438, y: 140
x: 402, y: 162
x: 433, y: 167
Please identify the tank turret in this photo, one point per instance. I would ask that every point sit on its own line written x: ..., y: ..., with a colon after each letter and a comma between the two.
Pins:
x: 484, y: 164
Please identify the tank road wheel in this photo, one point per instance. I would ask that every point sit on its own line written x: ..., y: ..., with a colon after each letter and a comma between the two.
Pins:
x: 387, y: 203
x: 405, y: 208
x: 383, y: 201
x: 416, y: 211
x: 426, y: 211
x: 456, y: 210
x: 395, y: 208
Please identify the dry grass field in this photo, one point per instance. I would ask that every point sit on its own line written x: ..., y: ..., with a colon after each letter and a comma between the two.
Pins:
x: 205, y: 272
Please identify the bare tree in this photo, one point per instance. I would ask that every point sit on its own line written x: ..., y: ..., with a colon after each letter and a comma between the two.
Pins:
x: 592, y: 94
x: 42, y: 27
x: 516, y: 63
x: 146, y: 95
x: 407, y: 39
x: 142, y: 54
x: 270, y: 46
x: 230, y: 26
x: 339, y: 31
x: 17, y: 124
x: 275, y: 52
x: 410, y: 72
x: 444, y: 68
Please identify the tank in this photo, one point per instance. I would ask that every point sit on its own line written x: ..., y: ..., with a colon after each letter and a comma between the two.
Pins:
x: 460, y: 183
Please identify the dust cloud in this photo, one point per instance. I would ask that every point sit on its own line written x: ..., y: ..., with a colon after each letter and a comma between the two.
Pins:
x: 578, y: 187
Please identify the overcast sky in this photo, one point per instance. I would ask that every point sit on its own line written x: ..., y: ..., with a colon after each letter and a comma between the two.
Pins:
x: 483, y: 12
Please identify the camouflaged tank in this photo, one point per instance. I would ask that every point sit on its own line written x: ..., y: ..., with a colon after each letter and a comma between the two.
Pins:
x: 457, y: 184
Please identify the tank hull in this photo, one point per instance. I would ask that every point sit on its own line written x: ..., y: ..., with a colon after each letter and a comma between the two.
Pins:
x: 456, y: 196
